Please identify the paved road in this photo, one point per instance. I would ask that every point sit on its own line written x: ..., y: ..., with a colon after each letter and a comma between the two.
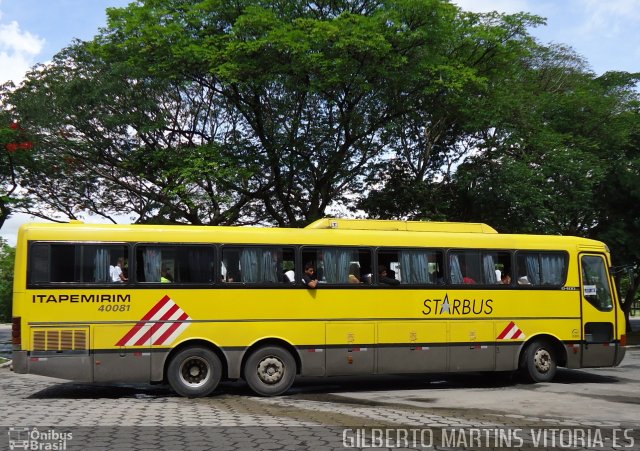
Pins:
x: 333, y: 414
x: 5, y: 340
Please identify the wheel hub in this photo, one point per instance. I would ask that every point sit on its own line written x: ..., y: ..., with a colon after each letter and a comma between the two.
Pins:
x: 542, y: 360
x: 194, y: 371
x: 270, y: 370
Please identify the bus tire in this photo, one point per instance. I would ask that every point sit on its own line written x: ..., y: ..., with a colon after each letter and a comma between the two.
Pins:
x: 539, y: 364
x: 194, y: 372
x: 270, y: 371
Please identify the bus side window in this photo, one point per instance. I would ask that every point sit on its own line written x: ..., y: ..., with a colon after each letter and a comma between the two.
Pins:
x: 257, y: 264
x: 75, y: 262
x: 411, y: 266
x: 105, y: 263
x: 496, y: 268
x: 465, y: 267
x: 288, y: 268
x: 541, y: 268
x: 39, y: 266
x: 181, y: 264
x: 340, y: 265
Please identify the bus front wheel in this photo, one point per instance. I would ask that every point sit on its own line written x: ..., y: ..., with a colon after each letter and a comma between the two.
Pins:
x: 539, y: 363
x: 270, y: 371
x: 194, y: 372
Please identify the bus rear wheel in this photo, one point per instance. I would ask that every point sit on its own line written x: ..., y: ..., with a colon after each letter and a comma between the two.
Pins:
x: 194, y: 372
x: 539, y: 363
x: 270, y: 371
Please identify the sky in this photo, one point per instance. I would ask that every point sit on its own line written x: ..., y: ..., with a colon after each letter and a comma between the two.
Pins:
x: 605, y: 32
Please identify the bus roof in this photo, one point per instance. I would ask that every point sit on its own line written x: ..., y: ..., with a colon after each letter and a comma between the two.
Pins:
x: 407, y: 226
x: 347, y: 233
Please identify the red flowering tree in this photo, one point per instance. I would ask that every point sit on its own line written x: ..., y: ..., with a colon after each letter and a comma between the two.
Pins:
x: 15, y: 149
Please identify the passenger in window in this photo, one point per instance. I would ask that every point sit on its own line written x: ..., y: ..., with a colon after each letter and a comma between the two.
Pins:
x: 383, y: 277
x: 524, y: 280
x: 354, y: 273
x: 468, y: 280
x: 289, y: 276
x: 166, y: 276
x: 309, y: 276
x: 116, y: 273
x: 505, y: 279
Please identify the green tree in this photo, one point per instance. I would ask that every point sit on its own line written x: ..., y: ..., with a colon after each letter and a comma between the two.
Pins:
x: 619, y: 197
x: 15, y: 155
x: 430, y: 142
x: 206, y: 112
x: 7, y: 257
x: 549, y: 154
x: 113, y: 143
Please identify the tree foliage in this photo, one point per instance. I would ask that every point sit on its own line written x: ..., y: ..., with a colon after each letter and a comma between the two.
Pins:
x: 15, y: 157
x: 206, y: 112
x: 7, y: 257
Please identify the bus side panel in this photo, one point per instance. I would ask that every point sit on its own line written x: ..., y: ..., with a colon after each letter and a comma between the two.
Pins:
x: 412, y: 346
x: 119, y: 363
x: 74, y: 368
x: 472, y: 346
x: 350, y: 348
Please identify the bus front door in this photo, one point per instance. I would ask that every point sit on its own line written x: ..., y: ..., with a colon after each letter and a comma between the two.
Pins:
x: 598, y: 312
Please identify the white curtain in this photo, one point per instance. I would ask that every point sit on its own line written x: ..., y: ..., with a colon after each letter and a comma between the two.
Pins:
x: 533, y: 269
x: 456, y: 271
x: 414, y: 267
x: 101, y: 265
x: 259, y: 265
x: 336, y: 264
x: 152, y: 260
x: 249, y: 264
x: 489, y: 269
x: 553, y: 267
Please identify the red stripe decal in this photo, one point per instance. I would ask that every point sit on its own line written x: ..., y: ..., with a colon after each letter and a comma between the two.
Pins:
x: 156, y: 308
x: 167, y: 333
x: 130, y: 334
x: 147, y: 335
x: 506, y: 330
x: 134, y: 330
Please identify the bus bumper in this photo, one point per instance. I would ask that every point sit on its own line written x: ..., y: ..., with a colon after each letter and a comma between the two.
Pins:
x: 620, y: 352
x: 19, y: 362
x: 71, y: 367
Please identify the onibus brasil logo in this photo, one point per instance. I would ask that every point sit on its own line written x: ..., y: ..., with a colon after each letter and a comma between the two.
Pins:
x: 33, y: 438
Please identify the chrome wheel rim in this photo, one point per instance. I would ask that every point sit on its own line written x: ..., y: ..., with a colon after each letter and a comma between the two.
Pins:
x: 194, y: 372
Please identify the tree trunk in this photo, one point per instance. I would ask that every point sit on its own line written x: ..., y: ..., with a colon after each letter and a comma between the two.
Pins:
x: 630, y: 295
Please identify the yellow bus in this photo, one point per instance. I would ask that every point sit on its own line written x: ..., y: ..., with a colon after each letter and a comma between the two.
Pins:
x: 192, y: 306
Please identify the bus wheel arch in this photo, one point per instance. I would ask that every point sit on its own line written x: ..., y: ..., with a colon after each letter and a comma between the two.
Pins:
x: 540, y: 357
x: 195, y: 368
x: 270, y: 366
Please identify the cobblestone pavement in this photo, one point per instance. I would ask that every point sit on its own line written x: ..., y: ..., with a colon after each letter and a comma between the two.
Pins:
x: 365, y: 413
